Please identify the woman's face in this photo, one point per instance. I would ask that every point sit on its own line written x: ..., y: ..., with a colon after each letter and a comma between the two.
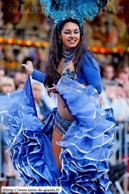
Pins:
x: 70, y: 36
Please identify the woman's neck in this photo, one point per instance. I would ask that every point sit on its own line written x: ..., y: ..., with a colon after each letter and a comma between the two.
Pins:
x: 67, y: 54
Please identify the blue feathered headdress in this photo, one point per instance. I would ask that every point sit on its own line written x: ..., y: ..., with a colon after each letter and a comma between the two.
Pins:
x: 60, y: 10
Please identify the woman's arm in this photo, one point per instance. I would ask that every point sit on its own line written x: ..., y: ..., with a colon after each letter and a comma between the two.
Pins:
x: 92, y: 73
x: 37, y: 75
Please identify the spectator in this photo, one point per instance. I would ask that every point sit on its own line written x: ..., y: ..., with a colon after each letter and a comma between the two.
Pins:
x: 2, y: 73
x: 41, y: 107
x: 19, y: 85
x: 123, y: 76
x: 23, y: 76
x: 123, y: 67
x: 107, y: 74
x: 126, y: 87
x: 123, y: 100
x: 17, y: 77
x: 111, y: 101
x: 11, y: 74
x: 20, y: 76
x: 120, y: 89
x: 125, y: 107
x: 6, y: 85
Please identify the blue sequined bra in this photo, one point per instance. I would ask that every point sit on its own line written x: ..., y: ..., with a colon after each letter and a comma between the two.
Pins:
x: 68, y: 58
x: 70, y: 74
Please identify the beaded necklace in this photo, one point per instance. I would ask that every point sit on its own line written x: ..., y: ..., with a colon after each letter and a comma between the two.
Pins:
x: 68, y: 58
x: 68, y: 54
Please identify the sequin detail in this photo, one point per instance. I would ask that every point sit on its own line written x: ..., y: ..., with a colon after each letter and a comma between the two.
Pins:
x: 68, y: 54
x: 61, y: 125
x: 69, y: 74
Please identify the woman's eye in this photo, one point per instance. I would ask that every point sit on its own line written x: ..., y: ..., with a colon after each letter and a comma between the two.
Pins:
x: 76, y: 32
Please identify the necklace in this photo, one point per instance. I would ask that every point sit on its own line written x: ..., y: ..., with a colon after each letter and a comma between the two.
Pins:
x: 68, y: 54
x: 68, y: 58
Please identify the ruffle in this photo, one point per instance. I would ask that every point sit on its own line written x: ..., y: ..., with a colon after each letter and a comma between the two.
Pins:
x: 27, y: 139
x: 87, y: 143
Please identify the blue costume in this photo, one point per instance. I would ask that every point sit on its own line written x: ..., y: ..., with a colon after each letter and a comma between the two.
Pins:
x: 91, y: 74
x: 86, y: 143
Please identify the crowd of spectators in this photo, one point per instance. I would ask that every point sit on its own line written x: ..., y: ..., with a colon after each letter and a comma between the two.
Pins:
x: 115, y: 95
x: 115, y: 91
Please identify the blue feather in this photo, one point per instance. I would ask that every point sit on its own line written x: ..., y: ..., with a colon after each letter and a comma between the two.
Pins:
x: 60, y: 10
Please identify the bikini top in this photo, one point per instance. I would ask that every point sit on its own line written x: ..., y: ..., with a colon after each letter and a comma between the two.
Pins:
x: 91, y: 73
x: 68, y: 72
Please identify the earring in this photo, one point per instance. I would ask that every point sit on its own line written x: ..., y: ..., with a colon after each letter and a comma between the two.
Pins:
x: 60, y: 41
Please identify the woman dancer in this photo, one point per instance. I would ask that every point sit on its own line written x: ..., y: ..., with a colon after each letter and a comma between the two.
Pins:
x: 73, y: 147
x: 65, y: 60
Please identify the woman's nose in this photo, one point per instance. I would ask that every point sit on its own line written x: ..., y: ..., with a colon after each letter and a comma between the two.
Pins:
x: 72, y: 34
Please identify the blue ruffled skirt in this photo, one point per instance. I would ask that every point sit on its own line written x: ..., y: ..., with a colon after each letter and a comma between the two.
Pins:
x: 86, y: 145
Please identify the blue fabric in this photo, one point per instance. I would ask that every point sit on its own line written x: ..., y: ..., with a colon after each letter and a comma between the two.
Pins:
x: 90, y: 70
x: 86, y: 145
x: 68, y: 59
x: 28, y: 91
x: 39, y: 76
x: 44, y: 110
x: 91, y: 73
x: 29, y: 146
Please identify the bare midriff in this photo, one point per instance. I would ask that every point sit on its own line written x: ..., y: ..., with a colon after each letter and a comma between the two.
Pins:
x: 65, y: 114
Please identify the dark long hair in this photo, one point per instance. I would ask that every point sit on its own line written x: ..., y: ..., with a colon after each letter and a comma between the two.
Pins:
x: 55, y: 53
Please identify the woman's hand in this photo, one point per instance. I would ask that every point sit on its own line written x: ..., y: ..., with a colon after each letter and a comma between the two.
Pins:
x: 29, y: 67
x: 53, y: 89
x: 40, y: 117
